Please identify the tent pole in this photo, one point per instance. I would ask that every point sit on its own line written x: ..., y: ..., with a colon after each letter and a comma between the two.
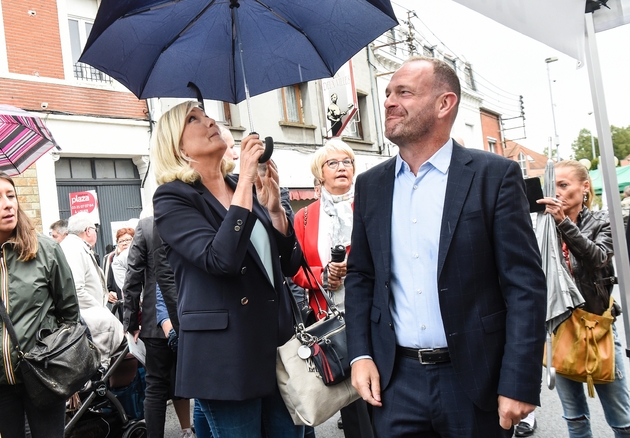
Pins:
x: 608, y: 172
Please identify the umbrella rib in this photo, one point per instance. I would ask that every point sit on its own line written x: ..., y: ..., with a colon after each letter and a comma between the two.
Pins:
x: 294, y: 27
x: 150, y: 8
x: 179, y: 34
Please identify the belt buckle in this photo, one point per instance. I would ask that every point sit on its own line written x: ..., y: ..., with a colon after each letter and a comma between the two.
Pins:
x: 422, y: 361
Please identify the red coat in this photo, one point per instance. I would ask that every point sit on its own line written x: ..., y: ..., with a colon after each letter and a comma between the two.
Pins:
x: 307, y: 233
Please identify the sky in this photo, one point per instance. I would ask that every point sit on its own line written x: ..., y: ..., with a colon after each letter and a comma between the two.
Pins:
x: 516, y: 65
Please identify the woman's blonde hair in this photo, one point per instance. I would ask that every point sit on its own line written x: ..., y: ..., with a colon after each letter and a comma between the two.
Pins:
x: 24, y: 236
x: 582, y: 174
x: 169, y: 162
x: 319, y: 157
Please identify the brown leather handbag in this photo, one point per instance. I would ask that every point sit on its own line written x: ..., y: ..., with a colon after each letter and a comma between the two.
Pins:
x: 583, y: 348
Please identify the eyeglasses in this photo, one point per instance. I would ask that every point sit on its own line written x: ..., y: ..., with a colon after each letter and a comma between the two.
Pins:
x: 334, y: 164
x: 122, y: 242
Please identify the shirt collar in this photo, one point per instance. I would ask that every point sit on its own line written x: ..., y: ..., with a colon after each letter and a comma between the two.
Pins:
x: 441, y: 160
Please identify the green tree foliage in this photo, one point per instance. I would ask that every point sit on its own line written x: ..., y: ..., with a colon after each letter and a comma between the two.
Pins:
x: 582, y: 148
x: 621, y: 141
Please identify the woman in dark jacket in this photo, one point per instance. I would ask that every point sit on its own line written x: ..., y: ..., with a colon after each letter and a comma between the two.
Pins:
x: 37, y: 290
x: 230, y: 247
x: 587, y: 247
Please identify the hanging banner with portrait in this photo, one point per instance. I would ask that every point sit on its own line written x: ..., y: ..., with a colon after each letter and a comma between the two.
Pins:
x: 340, y: 98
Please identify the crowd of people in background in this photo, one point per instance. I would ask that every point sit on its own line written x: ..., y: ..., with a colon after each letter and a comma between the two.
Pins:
x: 440, y: 281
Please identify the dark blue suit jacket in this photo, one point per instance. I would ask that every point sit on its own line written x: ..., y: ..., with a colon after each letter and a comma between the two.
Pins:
x: 232, y: 318
x: 491, y: 285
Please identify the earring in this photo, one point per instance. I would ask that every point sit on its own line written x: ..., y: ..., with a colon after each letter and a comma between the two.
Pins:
x: 585, y: 196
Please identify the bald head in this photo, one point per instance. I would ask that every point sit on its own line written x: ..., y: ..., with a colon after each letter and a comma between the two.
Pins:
x: 230, y: 153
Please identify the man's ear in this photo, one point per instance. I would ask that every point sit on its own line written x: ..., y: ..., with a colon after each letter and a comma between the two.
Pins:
x: 447, y: 103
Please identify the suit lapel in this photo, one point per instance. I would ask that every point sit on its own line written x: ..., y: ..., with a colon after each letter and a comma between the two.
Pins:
x: 460, y: 177
x: 384, y: 192
x: 220, y: 212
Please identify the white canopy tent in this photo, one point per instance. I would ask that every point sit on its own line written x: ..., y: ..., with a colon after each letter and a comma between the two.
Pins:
x: 570, y: 27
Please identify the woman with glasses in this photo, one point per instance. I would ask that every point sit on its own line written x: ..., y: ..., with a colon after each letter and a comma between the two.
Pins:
x: 230, y: 245
x: 319, y: 228
x: 115, y: 268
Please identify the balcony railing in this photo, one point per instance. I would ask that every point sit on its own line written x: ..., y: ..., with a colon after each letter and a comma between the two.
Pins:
x: 88, y: 73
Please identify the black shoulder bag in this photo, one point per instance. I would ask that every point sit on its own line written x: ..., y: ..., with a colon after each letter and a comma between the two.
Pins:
x: 324, y: 342
x: 59, y: 364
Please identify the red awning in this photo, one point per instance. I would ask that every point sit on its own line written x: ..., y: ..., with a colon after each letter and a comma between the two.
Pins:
x: 301, y: 194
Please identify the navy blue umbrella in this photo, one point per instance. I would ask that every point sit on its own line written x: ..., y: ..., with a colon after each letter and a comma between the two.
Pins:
x: 230, y: 49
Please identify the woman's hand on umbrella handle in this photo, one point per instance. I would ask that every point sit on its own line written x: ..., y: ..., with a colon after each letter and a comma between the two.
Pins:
x: 554, y: 207
x: 252, y: 149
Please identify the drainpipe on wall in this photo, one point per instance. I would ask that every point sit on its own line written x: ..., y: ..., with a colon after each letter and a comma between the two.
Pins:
x: 374, y: 92
x: 149, y: 104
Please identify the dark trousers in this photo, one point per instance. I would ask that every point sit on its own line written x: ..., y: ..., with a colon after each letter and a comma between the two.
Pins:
x: 356, y: 420
x: 427, y: 401
x: 44, y: 423
x: 160, y: 375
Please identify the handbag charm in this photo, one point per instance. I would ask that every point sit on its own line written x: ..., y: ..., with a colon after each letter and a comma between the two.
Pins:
x: 304, y: 352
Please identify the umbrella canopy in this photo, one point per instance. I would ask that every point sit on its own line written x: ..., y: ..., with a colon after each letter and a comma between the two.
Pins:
x: 562, y: 293
x: 156, y: 47
x: 23, y: 139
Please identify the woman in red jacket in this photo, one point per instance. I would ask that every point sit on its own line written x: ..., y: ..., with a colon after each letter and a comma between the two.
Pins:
x: 321, y: 226
x: 327, y: 223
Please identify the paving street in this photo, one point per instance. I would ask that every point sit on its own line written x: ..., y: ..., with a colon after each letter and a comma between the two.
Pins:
x: 549, y: 415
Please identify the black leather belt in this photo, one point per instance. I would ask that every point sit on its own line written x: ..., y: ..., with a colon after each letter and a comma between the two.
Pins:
x: 426, y: 356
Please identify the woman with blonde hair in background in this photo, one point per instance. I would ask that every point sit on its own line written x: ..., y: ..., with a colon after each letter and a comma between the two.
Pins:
x: 586, y: 240
x: 320, y: 227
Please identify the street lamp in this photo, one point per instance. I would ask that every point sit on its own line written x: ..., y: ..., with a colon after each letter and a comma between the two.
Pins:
x: 553, y: 111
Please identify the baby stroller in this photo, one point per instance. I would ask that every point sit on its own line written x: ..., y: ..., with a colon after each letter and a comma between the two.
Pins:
x: 111, y: 402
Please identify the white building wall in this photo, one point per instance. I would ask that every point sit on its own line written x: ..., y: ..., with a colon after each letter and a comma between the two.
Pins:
x: 91, y: 137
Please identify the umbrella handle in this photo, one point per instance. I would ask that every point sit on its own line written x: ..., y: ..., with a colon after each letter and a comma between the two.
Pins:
x: 551, y: 371
x: 268, y: 148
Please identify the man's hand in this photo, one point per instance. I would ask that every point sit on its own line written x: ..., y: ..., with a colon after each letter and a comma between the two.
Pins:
x: 511, y: 412
x: 365, y: 379
x: 112, y: 297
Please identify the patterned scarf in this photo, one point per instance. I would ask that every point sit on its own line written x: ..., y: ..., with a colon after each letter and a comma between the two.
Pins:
x: 339, y: 208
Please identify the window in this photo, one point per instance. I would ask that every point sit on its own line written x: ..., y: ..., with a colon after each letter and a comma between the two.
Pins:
x: 219, y: 111
x: 85, y: 168
x: 79, y: 31
x: 291, y: 104
x: 451, y: 62
x: 355, y: 126
x: 492, y: 145
x: 522, y: 162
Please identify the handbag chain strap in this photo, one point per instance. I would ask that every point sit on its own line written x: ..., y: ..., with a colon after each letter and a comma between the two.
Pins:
x: 10, y: 329
x: 294, y: 307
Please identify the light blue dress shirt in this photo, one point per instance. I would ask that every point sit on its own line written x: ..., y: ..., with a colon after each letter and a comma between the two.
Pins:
x: 417, y: 208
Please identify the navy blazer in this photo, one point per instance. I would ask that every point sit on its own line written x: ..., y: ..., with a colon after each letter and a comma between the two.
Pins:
x: 232, y: 317
x: 492, y: 290
x: 146, y: 266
